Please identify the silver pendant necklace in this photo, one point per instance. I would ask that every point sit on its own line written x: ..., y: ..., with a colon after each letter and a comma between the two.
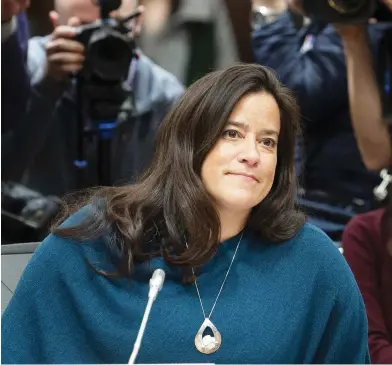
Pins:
x: 209, y: 344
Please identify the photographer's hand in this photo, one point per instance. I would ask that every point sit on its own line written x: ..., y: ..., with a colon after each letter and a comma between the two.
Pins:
x: 64, y: 54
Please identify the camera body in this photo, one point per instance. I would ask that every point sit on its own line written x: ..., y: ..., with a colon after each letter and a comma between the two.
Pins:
x: 346, y: 11
x: 109, y: 53
x: 109, y: 50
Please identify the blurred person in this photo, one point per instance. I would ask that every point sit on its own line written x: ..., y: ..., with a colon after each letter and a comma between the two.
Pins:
x: 15, y: 80
x: 370, y: 129
x: 216, y: 210
x: 50, y: 133
x: 239, y: 15
x: 189, y: 38
x: 367, y: 247
x: 367, y: 240
x: 309, y: 58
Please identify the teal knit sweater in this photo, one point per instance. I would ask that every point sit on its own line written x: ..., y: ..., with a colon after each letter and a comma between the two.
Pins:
x: 295, y: 302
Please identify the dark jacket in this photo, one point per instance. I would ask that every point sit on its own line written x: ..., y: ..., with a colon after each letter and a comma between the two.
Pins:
x: 15, y: 80
x: 311, y: 62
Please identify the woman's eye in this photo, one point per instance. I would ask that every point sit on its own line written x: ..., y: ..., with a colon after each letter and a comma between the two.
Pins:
x: 231, y: 133
x: 269, y: 142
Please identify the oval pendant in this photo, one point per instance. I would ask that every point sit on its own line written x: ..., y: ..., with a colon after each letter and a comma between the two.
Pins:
x: 208, y: 344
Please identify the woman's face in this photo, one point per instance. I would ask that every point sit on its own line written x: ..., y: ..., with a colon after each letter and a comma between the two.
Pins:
x: 239, y: 171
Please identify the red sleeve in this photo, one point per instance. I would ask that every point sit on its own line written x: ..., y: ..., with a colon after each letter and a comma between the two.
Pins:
x: 360, y: 241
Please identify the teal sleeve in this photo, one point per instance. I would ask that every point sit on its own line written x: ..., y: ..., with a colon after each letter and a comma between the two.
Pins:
x: 345, y: 339
x: 20, y: 332
x: 39, y: 304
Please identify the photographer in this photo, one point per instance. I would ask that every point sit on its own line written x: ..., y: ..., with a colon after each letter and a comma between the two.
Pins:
x: 309, y: 58
x: 14, y: 36
x: 370, y: 129
x: 49, y: 134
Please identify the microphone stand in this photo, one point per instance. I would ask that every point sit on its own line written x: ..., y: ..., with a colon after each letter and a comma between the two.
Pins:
x: 106, y: 130
x: 102, y: 100
x: 80, y: 163
x: 105, y: 103
x: 102, y: 104
x: 101, y: 125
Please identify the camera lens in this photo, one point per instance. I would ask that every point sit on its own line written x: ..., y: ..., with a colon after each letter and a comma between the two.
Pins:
x: 110, y: 55
x: 347, y: 6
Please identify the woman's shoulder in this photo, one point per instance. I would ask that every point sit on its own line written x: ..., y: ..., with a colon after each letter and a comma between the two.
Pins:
x: 320, y: 258
x: 315, y: 244
x: 310, y: 247
x: 58, y: 254
x: 311, y: 240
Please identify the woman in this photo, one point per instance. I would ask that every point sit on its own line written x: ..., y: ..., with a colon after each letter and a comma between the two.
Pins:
x: 367, y: 244
x: 216, y: 210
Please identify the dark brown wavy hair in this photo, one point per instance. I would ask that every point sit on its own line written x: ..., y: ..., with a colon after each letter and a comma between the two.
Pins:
x: 169, y: 202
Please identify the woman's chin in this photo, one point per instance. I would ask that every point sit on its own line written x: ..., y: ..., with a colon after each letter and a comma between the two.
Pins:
x: 239, y: 202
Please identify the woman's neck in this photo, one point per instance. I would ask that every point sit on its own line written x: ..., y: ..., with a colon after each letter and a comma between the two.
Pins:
x: 232, y: 223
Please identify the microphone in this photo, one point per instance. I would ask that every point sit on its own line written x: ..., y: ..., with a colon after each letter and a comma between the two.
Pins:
x: 381, y: 191
x: 156, y: 283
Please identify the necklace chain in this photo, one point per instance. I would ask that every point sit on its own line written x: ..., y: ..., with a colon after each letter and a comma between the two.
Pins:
x: 223, y: 284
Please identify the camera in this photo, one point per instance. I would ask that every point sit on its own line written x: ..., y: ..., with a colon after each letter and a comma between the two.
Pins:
x: 109, y: 52
x: 346, y: 11
x: 109, y: 48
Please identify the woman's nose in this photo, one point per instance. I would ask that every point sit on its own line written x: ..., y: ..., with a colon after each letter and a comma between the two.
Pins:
x: 250, y: 153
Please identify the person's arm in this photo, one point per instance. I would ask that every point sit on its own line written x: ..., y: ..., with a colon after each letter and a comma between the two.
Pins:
x: 358, y: 246
x: 15, y: 80
x: 22, y: 142
x: 316, y: 73
x: 365, y: 102
x: 238, y: 13
x: 50, y: 63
